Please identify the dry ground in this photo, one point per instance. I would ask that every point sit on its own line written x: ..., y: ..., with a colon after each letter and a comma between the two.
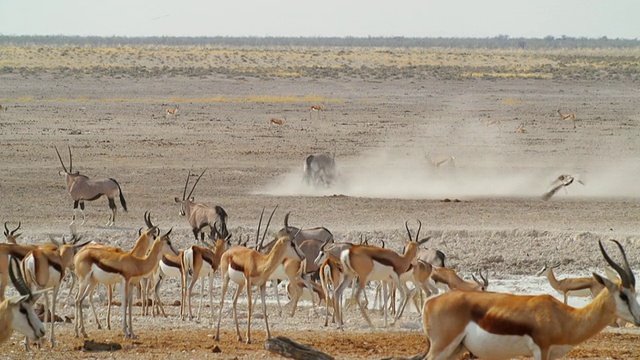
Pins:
x: 380, y: 128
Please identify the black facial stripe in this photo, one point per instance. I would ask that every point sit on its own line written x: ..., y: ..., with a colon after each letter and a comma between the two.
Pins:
x: 26, y: 313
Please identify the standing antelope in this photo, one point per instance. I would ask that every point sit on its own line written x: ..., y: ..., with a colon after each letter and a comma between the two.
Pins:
x: 11, y: 235
x: 571, y: 116
x: 200, y: 262
x: 375, y: 263
x: 247, y: 267
x: 112, y: 267
x: 17, y: 312
x: 316, y: 108
x: 199, y: 215
x: 82, y: 189
x: 44, y: 268
x: 571, y: 286
x: 500, y: 326
x: 276, y: 121
x: 171, y: 112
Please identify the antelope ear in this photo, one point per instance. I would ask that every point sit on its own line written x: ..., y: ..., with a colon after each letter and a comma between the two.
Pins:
x: 610, y: 285
x: 14, y: 300
x: 192, y: 199
x: 177, y: 199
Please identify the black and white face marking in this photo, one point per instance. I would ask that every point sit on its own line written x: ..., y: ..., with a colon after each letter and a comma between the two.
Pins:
x: 25, y: 320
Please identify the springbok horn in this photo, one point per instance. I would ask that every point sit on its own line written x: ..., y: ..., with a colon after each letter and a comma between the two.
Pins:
x: 624, y: 276
x: 196, y: 183
x: 147, y: 219
x: 286, y: 222
x: 419, y: 228
x: 54, y: 241
x: 61, y: 162
x: 626, y: 264
x: 17, y: 278
x: 383, y: 244
x: 70, y: 160
x: 424, y: 240
x: 485, y: 280
x: 406, y: 225
x: 16, y: 229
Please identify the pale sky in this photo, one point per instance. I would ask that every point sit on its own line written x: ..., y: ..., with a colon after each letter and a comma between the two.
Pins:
x: 408, y: 18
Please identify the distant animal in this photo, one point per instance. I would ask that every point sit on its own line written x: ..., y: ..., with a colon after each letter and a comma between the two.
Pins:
x: 315, y: 108
x: 276, y: 121
x: 571, y: 116
x: 82, y: 189
x: 3, y: 108
x: 320, y: 169
x: 439, y: 160
x: 521, y: 129
x: 171, y: 112
x: 560, y: 182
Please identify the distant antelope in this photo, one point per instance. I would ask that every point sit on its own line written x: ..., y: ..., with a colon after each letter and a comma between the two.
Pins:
x: 316, y: 108
x: 320, y: 169
x: 561, y: 182
x: 276, y: 121
x: 200, y: 216
x: 571, y: 286
x: 571, y: 116
x: 82, y: 189
x: 438, y: 160
x: 171, y: 112
x: 521, y: 129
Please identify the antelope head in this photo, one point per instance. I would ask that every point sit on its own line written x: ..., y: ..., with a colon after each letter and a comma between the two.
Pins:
x: 186, y: 197
x: 11, y: 235
x: 485, y: 281
x: 70, y: 170
x: 546, y: 268
x: 624, y: 292
x: 24, y: 319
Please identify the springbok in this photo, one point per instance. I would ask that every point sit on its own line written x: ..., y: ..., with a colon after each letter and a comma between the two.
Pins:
x: 17, y: 251
x: 561, y: 182
x: 443, y: 276
x: 111, y: 267
x: 316, y: 108
x: 501, y: 326
x: 200, y: 262
x: 320, y: 169
x: 171, y: 112
x: 276, y: 121
x: 199, y: 215
x: 82, y: 189
x: 584, y: 286
x: 17, y: 312
x: 374, y: 263
x: 44, y: 268
x: 11, y: 235
x: 247, y: 267
x: 571, y: 116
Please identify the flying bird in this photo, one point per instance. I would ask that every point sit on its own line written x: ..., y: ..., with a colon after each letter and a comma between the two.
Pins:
x: 560, y: 182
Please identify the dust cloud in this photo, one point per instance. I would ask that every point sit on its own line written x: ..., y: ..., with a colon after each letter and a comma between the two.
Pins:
x: 399, y: 174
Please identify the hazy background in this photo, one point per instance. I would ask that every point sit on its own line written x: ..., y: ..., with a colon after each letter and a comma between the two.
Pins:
x: 418, y: 18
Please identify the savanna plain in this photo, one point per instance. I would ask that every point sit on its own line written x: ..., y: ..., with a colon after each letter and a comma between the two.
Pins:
x: 388, y: 114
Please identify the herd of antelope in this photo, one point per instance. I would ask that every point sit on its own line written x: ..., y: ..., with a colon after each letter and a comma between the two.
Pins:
x: 457, y: 314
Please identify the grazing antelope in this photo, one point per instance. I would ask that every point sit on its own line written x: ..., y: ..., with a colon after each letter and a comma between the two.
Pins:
x: 82, y: 189
x: 374, y: 263
x: 247, y: 267
x: 444, y: 276
x: 200, y: 262
x: 438, y: 160
x: 431, y: 256
x: 571, y: 286
x: 17, y: 312
x: 561, y: 182
x: 316, y: 108
x: 11, y: 235
x: 111, y: 267
x: 500, y: 326
x: 571, y: 116
x: 171, y: 112
x: 44, y: 268
x: 199, y: 215
x: 320, y: 169
x: 276, y: 121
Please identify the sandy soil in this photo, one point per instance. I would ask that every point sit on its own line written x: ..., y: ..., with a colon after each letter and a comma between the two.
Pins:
x: 381, y: 132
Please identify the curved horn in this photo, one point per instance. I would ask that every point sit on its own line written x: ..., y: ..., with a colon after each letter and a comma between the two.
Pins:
x: 70, y: 160
x: 196, y: 183
x: 6, y: 229
x: 17, y: 278
x: 258, y: 231
x: 627, y: 268
x: 324, y: 244
x: 61, y: 162
x: 267, y: 227
x: 476, y: 280
x: 140, y: 232
x: 383, y: 244
x: 184, y: 192
x: 147, y: 219
x: 16, y: 229
x: 424, y: 240
x: 419, y: 228
x: 168, y: 232
x: 406, y: 225
x: 624, y: 275
x: 54, y: 241
x: 485, y: 280
x: 286, y: 222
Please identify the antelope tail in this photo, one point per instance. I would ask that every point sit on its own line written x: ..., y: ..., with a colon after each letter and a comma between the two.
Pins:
x: 123, y: 202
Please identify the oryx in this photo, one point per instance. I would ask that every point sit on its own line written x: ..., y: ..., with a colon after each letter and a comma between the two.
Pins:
x: 320, y: 169
x: 201, y: 216
x: 82, y: 189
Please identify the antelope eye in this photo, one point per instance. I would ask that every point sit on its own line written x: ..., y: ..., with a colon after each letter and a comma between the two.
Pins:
x: 624, y: 297
x: 23, y: 310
